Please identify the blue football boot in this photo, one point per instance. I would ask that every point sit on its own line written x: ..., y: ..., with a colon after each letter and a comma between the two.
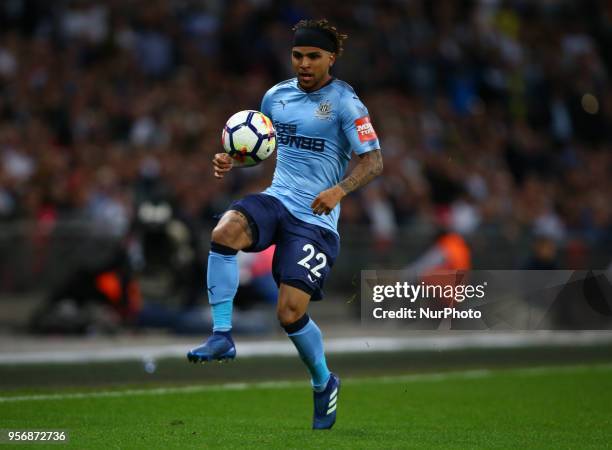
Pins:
x: 325, y: 404
x: 218, y: 347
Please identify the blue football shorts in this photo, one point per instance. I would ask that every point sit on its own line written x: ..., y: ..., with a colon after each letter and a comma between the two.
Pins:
x: 304, y: 252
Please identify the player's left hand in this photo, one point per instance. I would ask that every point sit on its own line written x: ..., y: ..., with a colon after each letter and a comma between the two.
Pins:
x: 327, y: 200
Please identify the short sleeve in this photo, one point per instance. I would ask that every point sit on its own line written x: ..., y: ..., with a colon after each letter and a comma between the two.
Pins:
x: 266, y: 104
x: 357, y: 126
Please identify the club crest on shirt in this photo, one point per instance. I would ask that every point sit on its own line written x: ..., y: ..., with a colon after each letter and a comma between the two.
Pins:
x: 324, y: 110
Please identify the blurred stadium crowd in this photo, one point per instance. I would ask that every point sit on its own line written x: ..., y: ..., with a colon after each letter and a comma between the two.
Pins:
x: 492, y: 114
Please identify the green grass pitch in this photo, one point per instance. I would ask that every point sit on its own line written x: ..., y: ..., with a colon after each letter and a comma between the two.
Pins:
x: 552, y: 407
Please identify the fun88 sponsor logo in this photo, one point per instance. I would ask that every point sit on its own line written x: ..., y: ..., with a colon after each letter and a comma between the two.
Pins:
x: 286, y: 135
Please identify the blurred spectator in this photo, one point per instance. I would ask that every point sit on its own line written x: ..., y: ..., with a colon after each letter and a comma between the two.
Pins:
x: 496, y: 113
x: 449, y: 252
x: 543, y: 254
x: 92, y: 299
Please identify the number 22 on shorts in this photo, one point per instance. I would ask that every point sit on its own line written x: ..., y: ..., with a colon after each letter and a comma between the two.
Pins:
x: 312, y: 253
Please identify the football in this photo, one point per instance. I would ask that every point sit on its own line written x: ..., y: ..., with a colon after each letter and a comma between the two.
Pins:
x: 249, y: 137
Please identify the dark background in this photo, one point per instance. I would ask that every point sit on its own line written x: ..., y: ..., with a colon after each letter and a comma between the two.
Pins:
x: 493, y: 116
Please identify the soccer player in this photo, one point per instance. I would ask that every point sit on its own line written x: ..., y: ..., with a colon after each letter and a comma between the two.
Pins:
x: 319, y: 121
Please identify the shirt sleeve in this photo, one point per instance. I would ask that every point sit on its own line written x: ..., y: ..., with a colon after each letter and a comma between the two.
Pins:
x: 266, y: 105
x: 357, y: 126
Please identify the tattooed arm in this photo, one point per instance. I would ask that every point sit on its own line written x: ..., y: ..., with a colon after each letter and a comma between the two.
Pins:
x: 368, y: 168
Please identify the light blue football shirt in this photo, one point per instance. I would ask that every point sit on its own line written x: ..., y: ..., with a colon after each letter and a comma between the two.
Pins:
x: 316, y: 132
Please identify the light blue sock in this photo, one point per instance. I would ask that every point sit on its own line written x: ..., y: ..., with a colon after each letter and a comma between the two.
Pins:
x: 309, y: 343
x: 222, y: 279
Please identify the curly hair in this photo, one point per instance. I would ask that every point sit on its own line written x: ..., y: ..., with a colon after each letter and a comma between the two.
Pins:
x: 324, y: 25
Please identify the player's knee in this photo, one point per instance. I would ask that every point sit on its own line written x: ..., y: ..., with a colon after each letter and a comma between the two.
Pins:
x: 224, y: 236
x: 230, y: 232
x: 288, y: 314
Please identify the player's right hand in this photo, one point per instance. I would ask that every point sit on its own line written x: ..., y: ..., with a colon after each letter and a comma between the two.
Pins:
x: 222, y: 163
